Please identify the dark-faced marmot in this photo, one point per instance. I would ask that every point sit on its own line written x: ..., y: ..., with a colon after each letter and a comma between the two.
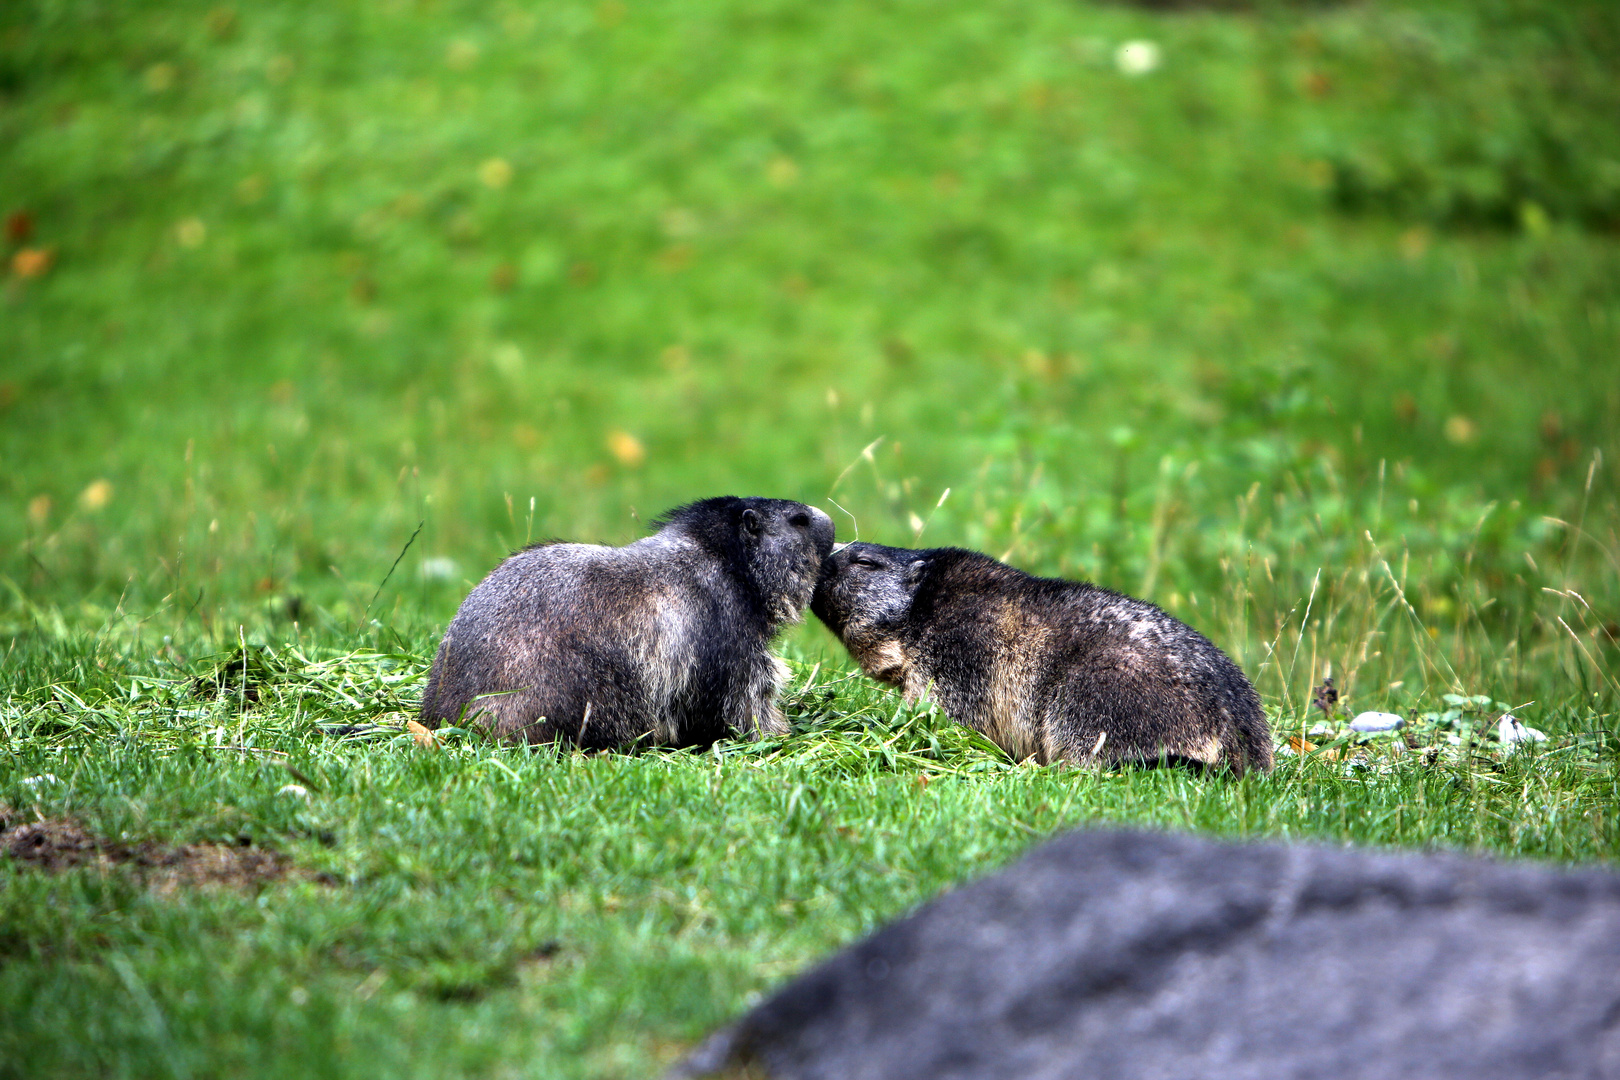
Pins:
x: 666, y: 640
x: 1044, y: 668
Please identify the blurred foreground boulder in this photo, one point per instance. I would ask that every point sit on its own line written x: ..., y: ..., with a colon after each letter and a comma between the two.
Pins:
x: 1128, y: 954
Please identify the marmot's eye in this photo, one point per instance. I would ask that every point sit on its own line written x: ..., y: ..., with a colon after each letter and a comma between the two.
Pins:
x: 801, y: 521
x: 870, y: 564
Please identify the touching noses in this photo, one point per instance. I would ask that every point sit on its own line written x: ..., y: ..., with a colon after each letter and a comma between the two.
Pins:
x: 816, y: 523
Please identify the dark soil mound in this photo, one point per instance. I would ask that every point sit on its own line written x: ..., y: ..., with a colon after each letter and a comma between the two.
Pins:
x: 59, y: 844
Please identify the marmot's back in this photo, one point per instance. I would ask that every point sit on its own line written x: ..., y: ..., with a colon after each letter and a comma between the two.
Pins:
x: 666, y: 639
x: 1058, y: 670
x: 569, y: 613
x: 1155, y: 662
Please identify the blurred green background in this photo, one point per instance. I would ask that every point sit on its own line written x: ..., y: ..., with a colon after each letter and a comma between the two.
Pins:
x: 1153, y: 290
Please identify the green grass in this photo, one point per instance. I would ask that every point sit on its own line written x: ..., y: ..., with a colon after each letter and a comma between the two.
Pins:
x: 1308, y: 335
x: 496, y: 909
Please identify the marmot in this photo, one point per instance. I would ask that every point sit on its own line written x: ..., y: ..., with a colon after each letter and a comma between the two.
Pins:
x: 666, y: 640
x: 1044, y: 668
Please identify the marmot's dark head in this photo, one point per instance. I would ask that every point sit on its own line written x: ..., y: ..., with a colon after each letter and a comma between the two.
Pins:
x: 878, y: 600
x: 774, y: 546
x: 866, y: 590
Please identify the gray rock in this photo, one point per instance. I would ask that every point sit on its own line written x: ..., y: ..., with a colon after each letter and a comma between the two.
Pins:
x: 1134, y: 955
x: 1510, y: 731
x: 1377, y: 721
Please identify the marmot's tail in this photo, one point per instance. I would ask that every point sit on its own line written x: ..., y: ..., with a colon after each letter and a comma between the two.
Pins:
x: 1248, y: 739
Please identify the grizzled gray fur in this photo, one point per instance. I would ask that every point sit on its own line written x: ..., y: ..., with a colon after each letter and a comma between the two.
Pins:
x: 1044, y: 668
x: 666, y: 640
x: 1132, y: 955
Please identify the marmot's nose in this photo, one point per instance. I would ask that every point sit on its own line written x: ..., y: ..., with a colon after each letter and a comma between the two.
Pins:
x: 821, y: 527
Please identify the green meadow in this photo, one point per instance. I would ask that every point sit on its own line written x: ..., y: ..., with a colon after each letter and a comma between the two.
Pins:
x: 1300, y: 320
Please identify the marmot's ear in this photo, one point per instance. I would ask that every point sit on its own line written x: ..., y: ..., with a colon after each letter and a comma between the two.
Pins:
x: 750, y: 522
x: 915, y: 571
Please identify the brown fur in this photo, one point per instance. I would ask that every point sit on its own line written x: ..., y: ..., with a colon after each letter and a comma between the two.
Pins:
x: 1047, y: 669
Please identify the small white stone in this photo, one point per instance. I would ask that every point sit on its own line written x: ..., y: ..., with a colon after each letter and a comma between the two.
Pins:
x: 1377, y: 721
x: 439, y: 568
x: 1510, y: 732
x: 1136, y: 57
x: 297, y: 791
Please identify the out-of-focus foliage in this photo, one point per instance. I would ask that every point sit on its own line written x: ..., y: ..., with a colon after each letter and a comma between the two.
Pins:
x: 1503, y: 119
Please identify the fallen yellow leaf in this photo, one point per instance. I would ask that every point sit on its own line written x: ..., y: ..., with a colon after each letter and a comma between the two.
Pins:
x: 1305, y: 746
x: 462, y: 54
x: 627, y: 448
x: 421, y: 734
x: 1461, y: 430
x: 191, y: 232
x: 97, y: 495
x: 32, y: 262
x: 495, y: 173
x: 782, y: 171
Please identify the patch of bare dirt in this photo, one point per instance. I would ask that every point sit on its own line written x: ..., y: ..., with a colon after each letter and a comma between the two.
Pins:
x: 58, y: 844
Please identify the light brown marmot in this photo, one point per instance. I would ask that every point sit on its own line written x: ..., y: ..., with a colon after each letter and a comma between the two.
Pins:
x: 1043, y: 667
